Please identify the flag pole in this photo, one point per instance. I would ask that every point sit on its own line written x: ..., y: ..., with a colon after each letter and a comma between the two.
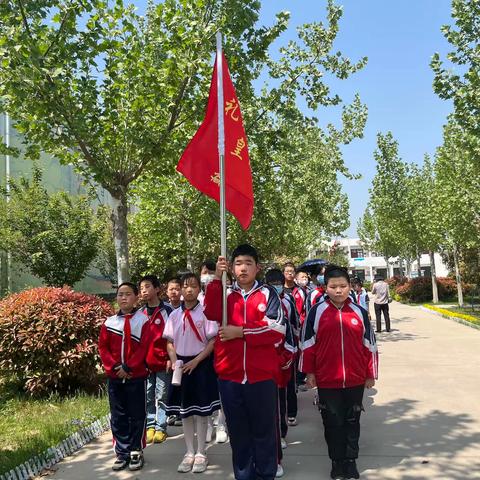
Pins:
x: 221, y: 161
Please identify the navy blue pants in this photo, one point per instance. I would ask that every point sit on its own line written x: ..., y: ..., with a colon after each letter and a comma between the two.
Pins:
x: 128, y: 415
x: 282, y: 411
x: 292, y: 408
x: 251, y: 414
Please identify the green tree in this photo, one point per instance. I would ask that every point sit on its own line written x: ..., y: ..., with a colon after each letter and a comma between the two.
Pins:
x: 295, y: 165
x: 383, y: 227
x: 115, y: 93
x: 457, y: 186
x: 55, y: 236
x: 426, y: 227
x: 463, y: 84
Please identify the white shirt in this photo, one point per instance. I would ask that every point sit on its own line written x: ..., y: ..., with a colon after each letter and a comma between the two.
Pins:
x: 179, y: 331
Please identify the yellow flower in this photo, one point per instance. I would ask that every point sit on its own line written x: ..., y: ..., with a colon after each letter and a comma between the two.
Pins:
x: 449, y: 313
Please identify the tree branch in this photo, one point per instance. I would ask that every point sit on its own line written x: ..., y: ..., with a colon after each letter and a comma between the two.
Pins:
x: 24, y: 19
x: 276, y: 98
x: 59, y: 31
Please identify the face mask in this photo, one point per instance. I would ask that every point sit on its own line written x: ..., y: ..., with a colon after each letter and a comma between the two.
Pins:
x: 302, y: 283
x: 206, y: 278
x: 278, y: 288
x: 321, y: 279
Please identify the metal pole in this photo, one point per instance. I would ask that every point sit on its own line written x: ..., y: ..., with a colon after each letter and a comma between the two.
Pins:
x: 7, y: 188
x: 221, y: 159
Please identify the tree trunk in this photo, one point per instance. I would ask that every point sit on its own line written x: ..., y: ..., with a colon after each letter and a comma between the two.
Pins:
x: 388, y: 267
x: 120, y: 236
x: 419, y: 269
x: 400, y: 268
x: 458, y: 277
x: 187, y: 221
x: 434, y: 277
x: 408, y: 267
x: 189, y: 237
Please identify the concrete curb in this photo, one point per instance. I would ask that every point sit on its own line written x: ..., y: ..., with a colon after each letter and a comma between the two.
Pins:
x: 35, y: 465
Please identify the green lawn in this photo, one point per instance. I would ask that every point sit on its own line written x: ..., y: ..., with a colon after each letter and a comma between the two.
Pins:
x: 30, y: 426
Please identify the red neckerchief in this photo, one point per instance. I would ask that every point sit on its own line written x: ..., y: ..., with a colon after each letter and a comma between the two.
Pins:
x: 358, y: 297
x: 187, y: 316
x: 127, y: 337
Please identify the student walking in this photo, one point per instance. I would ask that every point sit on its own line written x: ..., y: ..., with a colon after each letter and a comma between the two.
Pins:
x: 159, y: 365
x: 247, y: 363
x: 339, y: 356
x: 190, y: 338
x: 123, y: 344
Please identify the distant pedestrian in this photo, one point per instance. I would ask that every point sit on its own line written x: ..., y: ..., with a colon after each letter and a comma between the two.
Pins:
x: 361, y: 296
x: 380, y: 303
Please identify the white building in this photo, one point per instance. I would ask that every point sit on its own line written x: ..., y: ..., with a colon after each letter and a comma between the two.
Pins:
x: 367, y: 264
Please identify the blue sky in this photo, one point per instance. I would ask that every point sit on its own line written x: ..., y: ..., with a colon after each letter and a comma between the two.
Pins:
x: 398, y: 37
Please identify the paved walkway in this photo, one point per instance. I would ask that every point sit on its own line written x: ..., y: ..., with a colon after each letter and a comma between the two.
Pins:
x: 422, y: 420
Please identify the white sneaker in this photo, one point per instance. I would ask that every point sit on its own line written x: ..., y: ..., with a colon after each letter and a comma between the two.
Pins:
x: 187, y: 463
x: 283, y: 442
x: 221, y: 434
x: 200, y: 464
x: 208, y: 439
x: 280, y: 471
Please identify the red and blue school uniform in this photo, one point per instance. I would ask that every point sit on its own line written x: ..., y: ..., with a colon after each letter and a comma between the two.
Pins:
x: 190, y: 331
x: 339, y: 348
x: 300, y: 295
x: 248, y: 370
x: 362, y: 299
x: 158, y: 380
x: 315, y: 296
x: 287, y: 351
x: 123, y: 342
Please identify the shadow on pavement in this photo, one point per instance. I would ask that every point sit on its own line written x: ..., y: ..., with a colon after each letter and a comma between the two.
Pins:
x: 396, y: 436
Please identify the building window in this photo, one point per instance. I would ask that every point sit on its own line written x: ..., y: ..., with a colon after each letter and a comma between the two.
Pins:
x: 356, y: 252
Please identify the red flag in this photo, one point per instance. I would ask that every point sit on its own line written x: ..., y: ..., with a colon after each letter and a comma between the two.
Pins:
x: 200, y: 160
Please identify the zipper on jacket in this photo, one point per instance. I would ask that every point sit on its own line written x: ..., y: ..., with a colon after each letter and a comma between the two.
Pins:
x: 343, y: 350
x: 245, y: 379
x: 122, y: 349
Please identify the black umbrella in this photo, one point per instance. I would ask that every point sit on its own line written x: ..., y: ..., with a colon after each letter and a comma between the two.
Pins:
x: 312, y: 266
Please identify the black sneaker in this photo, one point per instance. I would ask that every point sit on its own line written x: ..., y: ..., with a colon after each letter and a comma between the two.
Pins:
x: 351, y: 470
x: 171, y: 420
x: 337, y: 472
x: 120, y: 464
x: 136, y: 461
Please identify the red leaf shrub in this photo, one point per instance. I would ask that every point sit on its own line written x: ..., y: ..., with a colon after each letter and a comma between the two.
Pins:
x: 396, y: 280
x: 48, y: 338
x: 420, y: 289
x: 415, y: 290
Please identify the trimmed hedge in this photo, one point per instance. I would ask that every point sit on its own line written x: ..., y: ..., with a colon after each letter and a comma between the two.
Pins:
x: 48, y: 338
